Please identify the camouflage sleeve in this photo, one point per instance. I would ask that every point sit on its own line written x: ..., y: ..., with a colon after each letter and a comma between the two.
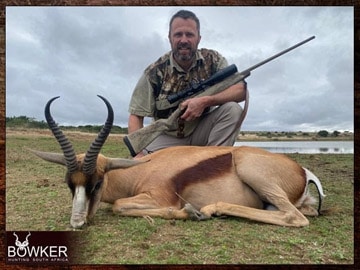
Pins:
x: 142, y: 102
x: 223, y: 63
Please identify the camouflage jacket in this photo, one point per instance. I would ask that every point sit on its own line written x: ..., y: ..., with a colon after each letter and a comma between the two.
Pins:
x: 166, y: 77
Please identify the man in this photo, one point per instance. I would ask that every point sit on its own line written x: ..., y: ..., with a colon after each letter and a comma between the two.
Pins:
x: 207, y: 120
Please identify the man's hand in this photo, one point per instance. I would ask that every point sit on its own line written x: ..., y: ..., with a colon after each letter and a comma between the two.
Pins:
x: 194, y: 107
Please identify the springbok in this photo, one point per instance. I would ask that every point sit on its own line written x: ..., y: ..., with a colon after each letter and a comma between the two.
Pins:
x: 185, y: 182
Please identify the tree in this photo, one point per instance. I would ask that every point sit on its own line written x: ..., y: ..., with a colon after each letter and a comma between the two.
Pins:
x: 323, y: 133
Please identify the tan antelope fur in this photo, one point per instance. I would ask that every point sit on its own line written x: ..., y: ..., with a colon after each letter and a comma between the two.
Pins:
x: 186, y: 182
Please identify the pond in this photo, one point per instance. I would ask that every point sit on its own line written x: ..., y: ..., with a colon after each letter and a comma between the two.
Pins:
x: 303, y: 147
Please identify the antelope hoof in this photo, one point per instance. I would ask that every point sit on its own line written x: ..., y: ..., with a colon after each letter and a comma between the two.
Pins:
x: 194, y: 214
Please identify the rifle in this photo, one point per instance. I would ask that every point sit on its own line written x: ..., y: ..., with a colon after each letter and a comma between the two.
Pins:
x: 223, y: 79
x: 195, y: 88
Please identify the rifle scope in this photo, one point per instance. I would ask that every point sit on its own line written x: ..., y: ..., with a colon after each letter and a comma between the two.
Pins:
x: 197, y: 87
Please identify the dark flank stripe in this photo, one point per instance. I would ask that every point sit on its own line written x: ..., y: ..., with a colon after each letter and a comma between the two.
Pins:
x: 203, y: 171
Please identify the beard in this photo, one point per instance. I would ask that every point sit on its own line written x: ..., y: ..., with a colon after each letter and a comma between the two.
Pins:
x: 184, y: 52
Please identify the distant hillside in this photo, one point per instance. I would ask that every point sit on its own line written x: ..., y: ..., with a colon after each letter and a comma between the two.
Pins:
x: 294, y: 136
x: 24, y: 122
x: 27, y: 122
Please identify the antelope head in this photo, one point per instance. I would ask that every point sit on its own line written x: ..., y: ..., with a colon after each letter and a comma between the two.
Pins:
x: 85, y: 172
x: 19, y: 244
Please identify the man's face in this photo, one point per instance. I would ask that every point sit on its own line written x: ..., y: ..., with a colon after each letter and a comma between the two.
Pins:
x: 184, y: 39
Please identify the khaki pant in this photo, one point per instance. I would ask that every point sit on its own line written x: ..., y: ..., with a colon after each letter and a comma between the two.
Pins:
x: 218, y: 127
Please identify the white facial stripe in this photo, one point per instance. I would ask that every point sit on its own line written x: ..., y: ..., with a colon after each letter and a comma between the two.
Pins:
x: 80, y: 207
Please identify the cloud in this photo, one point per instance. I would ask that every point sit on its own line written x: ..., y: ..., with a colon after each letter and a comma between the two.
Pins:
x: 79, y: 52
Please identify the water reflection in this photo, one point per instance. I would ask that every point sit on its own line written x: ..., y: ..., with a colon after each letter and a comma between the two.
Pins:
x: 304, y: 147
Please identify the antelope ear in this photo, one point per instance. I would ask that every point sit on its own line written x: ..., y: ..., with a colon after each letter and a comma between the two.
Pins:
x: 51, y: 157
x: 121, y: 163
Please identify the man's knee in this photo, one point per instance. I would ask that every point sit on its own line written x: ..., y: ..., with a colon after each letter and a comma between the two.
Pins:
x: 233, y: 110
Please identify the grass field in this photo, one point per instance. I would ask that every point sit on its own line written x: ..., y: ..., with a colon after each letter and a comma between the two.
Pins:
x: 37, y: 199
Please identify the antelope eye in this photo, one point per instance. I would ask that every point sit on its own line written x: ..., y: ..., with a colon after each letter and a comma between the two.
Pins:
x: 98, y: 185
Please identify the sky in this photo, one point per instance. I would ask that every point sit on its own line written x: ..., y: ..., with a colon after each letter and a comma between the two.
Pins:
x: 78, y: 53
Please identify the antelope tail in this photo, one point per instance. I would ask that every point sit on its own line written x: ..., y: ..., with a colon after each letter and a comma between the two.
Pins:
x: 311, y: 178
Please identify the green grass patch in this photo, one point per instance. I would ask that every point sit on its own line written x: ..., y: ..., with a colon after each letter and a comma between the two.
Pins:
x: 37, y: 199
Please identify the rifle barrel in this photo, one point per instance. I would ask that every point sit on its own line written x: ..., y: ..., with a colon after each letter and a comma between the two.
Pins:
x: 279, y: 54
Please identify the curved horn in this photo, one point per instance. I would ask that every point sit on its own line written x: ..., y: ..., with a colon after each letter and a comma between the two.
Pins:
x: 17, y: 238
x: 93, y: 152
x: 65, y: 144
x: 27, y: 237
